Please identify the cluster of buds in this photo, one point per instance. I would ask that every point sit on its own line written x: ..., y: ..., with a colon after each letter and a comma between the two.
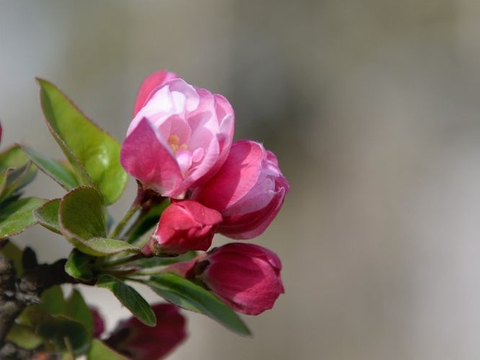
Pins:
x: 180, y: 145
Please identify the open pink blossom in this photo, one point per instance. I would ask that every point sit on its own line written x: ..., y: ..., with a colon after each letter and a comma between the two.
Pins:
x: 140, y: 342
x: 184, y: 225
x: 179, y: 138
x: 248, y: 190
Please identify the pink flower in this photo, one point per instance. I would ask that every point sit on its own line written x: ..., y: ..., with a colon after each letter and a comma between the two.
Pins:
x: 179, y: 138
x: 245, y: 276
x: 248, y: 190
x: 1, y: 132
x: 98, y: 323
x: 149, y: 84
x: 139, y: 341
x: 184, y: 225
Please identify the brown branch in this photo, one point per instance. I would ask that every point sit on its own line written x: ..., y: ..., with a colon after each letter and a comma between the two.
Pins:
x: 18, y: 293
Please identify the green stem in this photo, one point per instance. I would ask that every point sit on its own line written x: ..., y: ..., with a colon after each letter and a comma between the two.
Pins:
x: 124, y: 260
x: 121, y: 225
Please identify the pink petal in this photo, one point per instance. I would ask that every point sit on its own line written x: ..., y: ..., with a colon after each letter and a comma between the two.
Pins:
x: 147, y: 158
x: 149, y: 84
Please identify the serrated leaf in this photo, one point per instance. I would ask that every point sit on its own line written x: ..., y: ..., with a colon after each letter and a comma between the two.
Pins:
x: 190, y: 296
x: 130, y: 298
x: 78, y: 266
x: 13, y: 157
x: 99, y: 351
x: 83, y: 221
x: 84, y: 143
x: 47, y: 215
x: 82, y: 214
x: 18, y: 216
x: 53, y: 168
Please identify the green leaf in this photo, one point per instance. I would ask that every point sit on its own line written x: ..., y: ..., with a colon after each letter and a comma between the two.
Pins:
x: 100, y: 351
x: 53, y: 301
x: 18, y: 216
x: 24, y: 336
x: 83, y: 221
x: 13, y: 157
x: 47, y: 215
x: 59, y: 330
x: 89, y: 149
x: 14, y: 179
x: 53, y: 168
x: 190, y: 296
x: 77, y: 309
x: 79, y: 265
x: 15, y: 171
x: 130, y: 298
x: 82, y: 214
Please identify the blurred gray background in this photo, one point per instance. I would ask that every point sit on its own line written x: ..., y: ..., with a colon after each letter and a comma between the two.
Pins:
x: 373, y: 108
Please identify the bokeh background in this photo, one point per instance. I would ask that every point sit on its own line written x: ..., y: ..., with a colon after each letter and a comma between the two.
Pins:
x: 373, y: 108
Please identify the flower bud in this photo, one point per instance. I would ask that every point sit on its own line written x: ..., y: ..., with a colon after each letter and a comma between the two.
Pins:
x: 98, y: 323
x: 245, y: 276
x: 248, y: 190
x: 138, y: 341
x: 179, y: 137
x: 184, y: 225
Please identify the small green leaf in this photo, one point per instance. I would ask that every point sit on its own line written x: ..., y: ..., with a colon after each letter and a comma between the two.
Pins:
x: 60, y: 329
x: 53, y: 301
x: 18, y: 216
x: 83, y: 221
x: 130, y: 298
x: 53, y: 168
x: 13, y: 157
x: 14, y: 179
x: 99, y: 351
x: 82, y: 214
x: 77, y: 309
x: 88, y: 148
x: 78, y: 266
x: 47, y: 215
x: 24, y: 336
x: 190, y: 296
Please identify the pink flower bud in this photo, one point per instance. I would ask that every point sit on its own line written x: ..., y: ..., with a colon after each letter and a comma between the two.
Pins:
x: 179, y: 138
x: 248, y: 190
x: 139, y: 341
x: 245, y: 276
x: 184, y: 225
x: 98, y: 323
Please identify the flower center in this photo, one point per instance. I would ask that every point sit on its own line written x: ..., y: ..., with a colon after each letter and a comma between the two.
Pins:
x: 174, y: 143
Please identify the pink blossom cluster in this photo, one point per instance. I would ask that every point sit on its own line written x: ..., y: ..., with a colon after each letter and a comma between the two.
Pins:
x: 180, y: 145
